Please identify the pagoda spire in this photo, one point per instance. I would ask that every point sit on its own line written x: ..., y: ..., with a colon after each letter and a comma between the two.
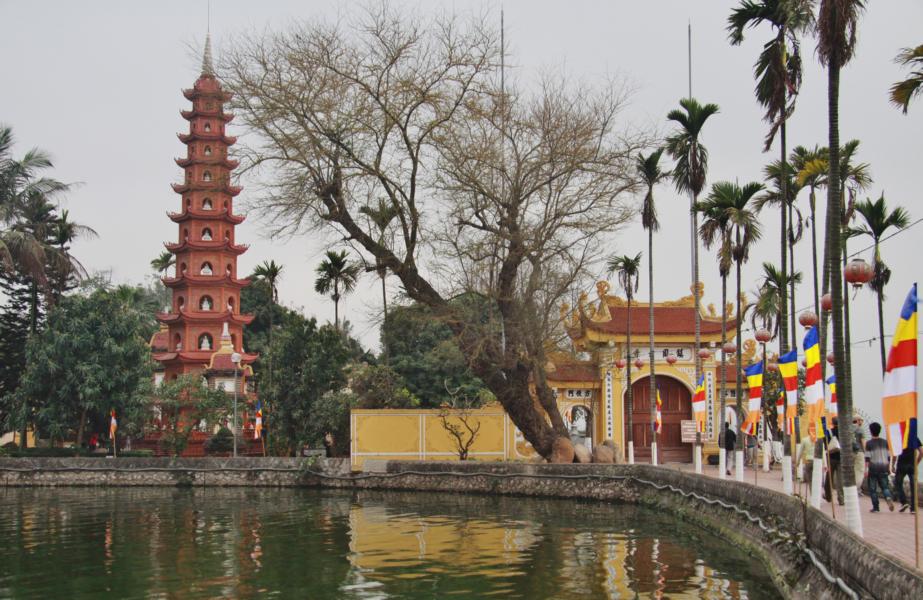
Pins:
x: 207, y: 67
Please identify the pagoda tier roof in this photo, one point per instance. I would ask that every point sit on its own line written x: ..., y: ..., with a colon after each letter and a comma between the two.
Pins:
x: 186, y: 280
x: 202, y: 245
x: 197, y: 316
x: 182, y: 188
x: 160, y: 341
x: 209, y: 359
x: 220, y: 362
x: 608, y: 320
x: 206, y: 215
x: 212, y: 136
x: 229, y: 163
x: 192, y: 114
x: 202, y: 89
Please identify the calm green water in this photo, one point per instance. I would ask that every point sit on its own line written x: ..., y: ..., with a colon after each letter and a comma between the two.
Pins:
x: 166, y: 543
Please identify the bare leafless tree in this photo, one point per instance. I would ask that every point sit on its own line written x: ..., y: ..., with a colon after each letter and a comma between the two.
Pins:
x: 500, y: 197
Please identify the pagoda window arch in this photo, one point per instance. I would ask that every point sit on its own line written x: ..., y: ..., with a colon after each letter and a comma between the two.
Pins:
x: 207, y: 151
x: 207, y: 204
x: 207, y: 176
x: 206, y: 235
x: 206, y: 303
x: 185, y: 233
x: 227, y: 235
x: 180, y: 301
x: 206, y: 269
x: 229, y: 270
x: 188, y: 175
x: 188, y: 201
x: 207, y: 127
x: 178, y: 342
x: 234, y: 341
x: 231, y: 304
x: 205, y: 342
x: 182, y: 268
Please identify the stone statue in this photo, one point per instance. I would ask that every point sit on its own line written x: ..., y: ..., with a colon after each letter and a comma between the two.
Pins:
x: 205, y: 344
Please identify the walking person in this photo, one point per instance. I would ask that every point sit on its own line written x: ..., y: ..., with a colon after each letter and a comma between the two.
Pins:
x: 730, y: 439
x: 805, y: 457
x: 878, y: 461
x: 858, y: 445
x: 906, y: 467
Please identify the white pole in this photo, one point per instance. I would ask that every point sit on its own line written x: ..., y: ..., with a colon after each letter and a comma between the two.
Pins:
x: 722, y: 463
x: 631, y: 452
x: 698, y: 459
x: 787, y: 486
x: 739, y: 465
x: 654, y: 453
x: 817, y: 481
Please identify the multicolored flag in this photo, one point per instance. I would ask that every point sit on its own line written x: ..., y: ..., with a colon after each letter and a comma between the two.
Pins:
x: 755, y: 392
x: 813, y: 381
x: 899, y: 400
x: 831, y: 384
x: 780, y: 409
x: 699, y: 410
x: 113, y: 424
x: 788, y: 369
x: 258, y: 427
x: 658, y: 419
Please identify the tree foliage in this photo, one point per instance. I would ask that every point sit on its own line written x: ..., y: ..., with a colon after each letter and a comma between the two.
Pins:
x: 92, y: 357
x: 184, y: 404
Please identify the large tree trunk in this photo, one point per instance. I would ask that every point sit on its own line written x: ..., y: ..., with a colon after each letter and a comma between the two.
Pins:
x: 698, y: 316
x: 722, y: 384
x: 629, y: 395
x: 783, y: 212
x: 814, y: 253
x: 834, y: 239
x: 881, y: 323
x: 650, y: 333
x: 738, y: 400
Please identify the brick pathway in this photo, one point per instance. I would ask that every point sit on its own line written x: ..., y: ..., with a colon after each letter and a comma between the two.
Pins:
x: 892, y: 533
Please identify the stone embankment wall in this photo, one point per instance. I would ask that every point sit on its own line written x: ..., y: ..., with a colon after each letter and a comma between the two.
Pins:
x: 802, y: 548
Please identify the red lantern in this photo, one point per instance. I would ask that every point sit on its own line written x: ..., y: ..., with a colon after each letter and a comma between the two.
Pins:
x: 830, y: 358
x: 621, y: 363
x: 704, y: 353
x: 858, y: 272
x: 807, y: 319
x: 826, y: 302
x: 671, y: 359
x: 729, y: 348
x: 804, y: 363
x: 763, y: 335
x: 639, y: 363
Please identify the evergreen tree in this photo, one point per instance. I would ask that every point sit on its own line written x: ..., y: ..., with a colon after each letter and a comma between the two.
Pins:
x: 14, y: 330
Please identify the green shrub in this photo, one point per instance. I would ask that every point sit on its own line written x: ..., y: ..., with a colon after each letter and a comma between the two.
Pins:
x: 46, y: 452
x: 220, y: 443
x: 136, y: 453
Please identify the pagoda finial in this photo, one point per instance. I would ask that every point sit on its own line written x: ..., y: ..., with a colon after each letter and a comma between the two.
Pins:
x: 207, y: 67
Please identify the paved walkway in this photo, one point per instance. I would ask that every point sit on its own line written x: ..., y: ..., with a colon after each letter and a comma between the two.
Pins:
x: 892, y: 533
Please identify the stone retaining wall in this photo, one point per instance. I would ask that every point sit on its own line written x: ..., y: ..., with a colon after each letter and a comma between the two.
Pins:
x: 784, y: 529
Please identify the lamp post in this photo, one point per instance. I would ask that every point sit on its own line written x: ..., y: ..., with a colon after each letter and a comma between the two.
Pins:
x: 235, y: 358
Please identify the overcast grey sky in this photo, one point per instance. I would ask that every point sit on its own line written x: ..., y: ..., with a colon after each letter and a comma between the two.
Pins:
x: 97, y: 84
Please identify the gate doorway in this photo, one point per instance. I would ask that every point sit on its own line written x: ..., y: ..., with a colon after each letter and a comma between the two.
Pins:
x: 677, y: 406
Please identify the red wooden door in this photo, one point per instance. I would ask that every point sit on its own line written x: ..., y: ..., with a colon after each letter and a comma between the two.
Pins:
x: 677, y: 406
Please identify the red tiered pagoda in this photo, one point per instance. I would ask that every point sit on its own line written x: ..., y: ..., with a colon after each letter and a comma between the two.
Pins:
x: 204, y: 325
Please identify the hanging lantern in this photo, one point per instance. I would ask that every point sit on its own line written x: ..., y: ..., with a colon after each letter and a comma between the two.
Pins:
x: 830, y: 358
x: 807, y: 319
x: 729, y: 348
x: 671, y: 360
x: 763, y: 335
x: 772, y: 367
x: 858, y: 272
x: 826, y: 302
x: 621, y: 363
x: 639, y: 363
x: 804, y: 363
x: 704, y: 353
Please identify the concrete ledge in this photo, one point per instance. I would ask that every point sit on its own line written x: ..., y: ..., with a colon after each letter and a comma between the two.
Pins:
x: 775, y: 528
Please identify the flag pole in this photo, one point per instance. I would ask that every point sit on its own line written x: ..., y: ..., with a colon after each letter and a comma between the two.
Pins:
x: 915, y: 487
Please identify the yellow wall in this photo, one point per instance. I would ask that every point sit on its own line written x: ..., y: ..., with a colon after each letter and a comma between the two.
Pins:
x: 418, y: 434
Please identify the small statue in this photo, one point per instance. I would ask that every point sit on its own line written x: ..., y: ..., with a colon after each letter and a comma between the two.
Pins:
x: 205, y: 344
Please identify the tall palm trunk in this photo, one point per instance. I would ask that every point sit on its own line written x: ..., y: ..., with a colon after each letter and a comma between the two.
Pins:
x: 650, y: 325
x: 738, y: 400
x: 698, y: 316
x: 814, y: 250
x: 783, y: 212
x: 722, y: 384
x: 835, y: 241
x: 629, y: 396
x: 881, y: 323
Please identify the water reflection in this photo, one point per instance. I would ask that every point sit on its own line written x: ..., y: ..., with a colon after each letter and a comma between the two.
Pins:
x: 163, y: 543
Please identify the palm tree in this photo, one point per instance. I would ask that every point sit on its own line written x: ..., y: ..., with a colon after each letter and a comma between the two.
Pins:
x: 689, y: 173
x: 651, y: 174
x: 768, y: 306
x: 66, y: 266
x: 381, y: 216
x: 627, y: 269
x: 714, y: 230
x: 877, y: 221
x: 24, y: 240
x: 836, y: 29
x: 336, y: 275
x: 270, y: 272
x: 801, y: 157
x: 163, y: 262
x: 903, y: 91
x: 778, y: 75
x: 744, y: 229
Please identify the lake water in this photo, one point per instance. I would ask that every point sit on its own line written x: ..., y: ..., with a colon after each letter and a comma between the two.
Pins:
x: 226, y: 543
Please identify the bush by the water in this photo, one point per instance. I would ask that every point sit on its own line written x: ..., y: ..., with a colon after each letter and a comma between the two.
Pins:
x: 220, y: 443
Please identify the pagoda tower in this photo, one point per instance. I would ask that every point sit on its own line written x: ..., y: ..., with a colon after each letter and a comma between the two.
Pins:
x: 204, y: 326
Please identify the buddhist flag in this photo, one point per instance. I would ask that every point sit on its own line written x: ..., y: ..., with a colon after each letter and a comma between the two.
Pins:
x: 698, y: 405
x: 658, y: 419
x: 831, y: 383
x: 788, y: 369
x: 813, y: 382
x: 258, y: 427
x: 113, y: 424
x: 780, y: 409
x: 755, y: 384
x: 899, y: 400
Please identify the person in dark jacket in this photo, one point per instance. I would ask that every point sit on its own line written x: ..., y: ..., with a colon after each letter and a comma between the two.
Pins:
x: 730, y: 440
